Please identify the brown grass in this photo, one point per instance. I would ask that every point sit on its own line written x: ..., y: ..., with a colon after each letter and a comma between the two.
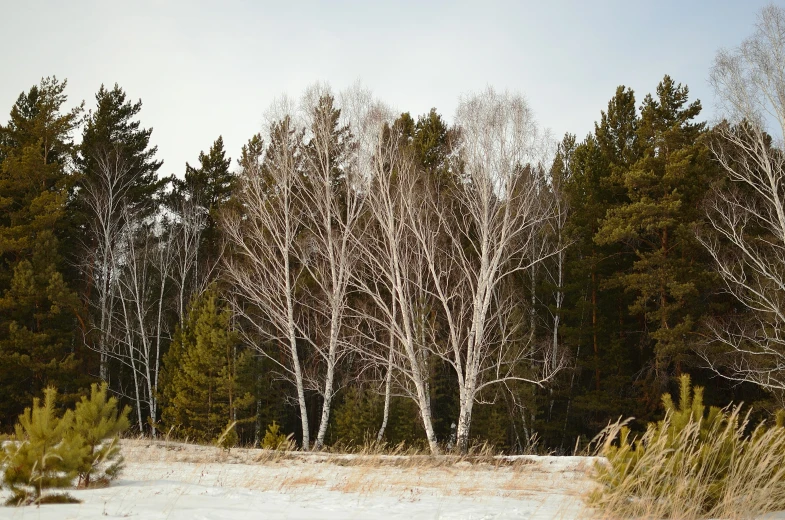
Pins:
x: 400, y: 472
x: 668, y: 483
x: 482, y: 457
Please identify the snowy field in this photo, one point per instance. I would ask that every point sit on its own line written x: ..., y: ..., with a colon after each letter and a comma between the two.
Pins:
x: 185, y: 482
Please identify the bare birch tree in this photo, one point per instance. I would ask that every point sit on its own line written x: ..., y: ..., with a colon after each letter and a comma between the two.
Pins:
x: 262, y: 268
x: 747, y: 221
x: 141, y: 331
x: 331, y: 207
x: 556, y: 233
x: 489, y: 236
x: 394, y: 275
x: 103, y: 196
x: 190, y: 276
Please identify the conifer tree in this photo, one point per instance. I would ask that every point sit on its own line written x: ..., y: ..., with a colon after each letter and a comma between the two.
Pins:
x: 45, y: 452
x: 112, y: 131
x: 99, y: 422
x: 663, y: 189
x: 209, y: 187
x: 37, y: 306
x: 201, y: 391
x: 211, y: 184
x: 274, y: 439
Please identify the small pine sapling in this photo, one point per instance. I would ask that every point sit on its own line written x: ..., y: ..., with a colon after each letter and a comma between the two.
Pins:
x: 274, y: 439
x: 99, y: 422
x: 706, y: 461
x: 44, y: 453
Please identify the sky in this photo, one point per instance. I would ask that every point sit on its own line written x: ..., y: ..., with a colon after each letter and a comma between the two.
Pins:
x: 204, y: 69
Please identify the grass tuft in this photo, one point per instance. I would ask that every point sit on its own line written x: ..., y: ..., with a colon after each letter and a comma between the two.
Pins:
x: 693, y: 471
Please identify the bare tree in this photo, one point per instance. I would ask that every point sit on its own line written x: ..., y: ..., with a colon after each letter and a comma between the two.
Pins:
x: 262, y: 268
x: 394, y: 274
x: 190, y: 276
x: 128, y: 265
x: 368, y: 119
x: 331, y: 207
x: 141, y: 330
x: 556, y: 234
x: 489, y: 235
x: 747, y: 220
x: 103, y: 195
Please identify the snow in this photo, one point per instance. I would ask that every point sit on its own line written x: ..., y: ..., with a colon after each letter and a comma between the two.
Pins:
x: 179, y: 482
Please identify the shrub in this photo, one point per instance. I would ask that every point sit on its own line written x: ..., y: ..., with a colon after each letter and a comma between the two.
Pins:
x: 692, y: 464
x: 47, y: 451
x: 99, y: 422
x: 275, y: 440
x: 44, y: 452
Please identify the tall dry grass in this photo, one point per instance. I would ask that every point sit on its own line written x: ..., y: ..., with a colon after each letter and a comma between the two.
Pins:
x: 371, y: 453
x: 698, y: 471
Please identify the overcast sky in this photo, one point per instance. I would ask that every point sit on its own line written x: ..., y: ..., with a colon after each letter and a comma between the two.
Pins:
x: 203, y: 69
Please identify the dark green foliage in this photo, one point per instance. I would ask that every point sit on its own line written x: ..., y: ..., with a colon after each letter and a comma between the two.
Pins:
x: 200, y: 387
x: 638, y: 284
x: 99, y: 422
x: 663, y: 189
x: 211, y: 184
x: 491, y: 422
x: 45, y: 451
x: 210, y: 187
x: 358, y: 416
x: 113, y: 134
x: 38, y: 326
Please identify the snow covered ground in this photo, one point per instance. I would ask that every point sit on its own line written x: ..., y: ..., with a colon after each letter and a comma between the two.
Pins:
x: 185, y: 482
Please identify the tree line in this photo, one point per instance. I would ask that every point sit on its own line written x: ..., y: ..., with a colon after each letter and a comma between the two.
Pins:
x: 359, y: 274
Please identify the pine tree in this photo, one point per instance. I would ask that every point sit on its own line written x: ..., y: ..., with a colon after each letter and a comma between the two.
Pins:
x: 99, y: 422
x: 112, y: 133
x: 210, y: 186
x: 38, y: 309
x: 663, y: 190
x: 116, y: 187
x: 201, y: 391
x: 44, y: 453
x: 595, y: 311
x: 274, y: 439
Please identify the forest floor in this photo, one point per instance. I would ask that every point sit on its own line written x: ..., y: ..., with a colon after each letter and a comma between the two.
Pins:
x: 167, y: 480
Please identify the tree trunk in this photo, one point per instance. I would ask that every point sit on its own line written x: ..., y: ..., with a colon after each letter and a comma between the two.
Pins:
x: 424, y: 402
x: 464, y: 422
x: 328, y: 397
x: 387, y: 392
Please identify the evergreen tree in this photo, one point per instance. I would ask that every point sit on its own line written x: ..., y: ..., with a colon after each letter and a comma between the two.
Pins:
x: 274, y: 439
x: 44, y: 453
x: 596, y: 324
x: 200, y: 388
x: 112, y: 133
x: 99, y: 422
x: 663, y: 191
x: 210, y: 186
x: 37, y: 306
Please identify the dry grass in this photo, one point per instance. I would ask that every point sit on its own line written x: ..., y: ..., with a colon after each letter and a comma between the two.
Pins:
x: 374, y: 455
x: 724, y: 473
x: 398, y: 471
